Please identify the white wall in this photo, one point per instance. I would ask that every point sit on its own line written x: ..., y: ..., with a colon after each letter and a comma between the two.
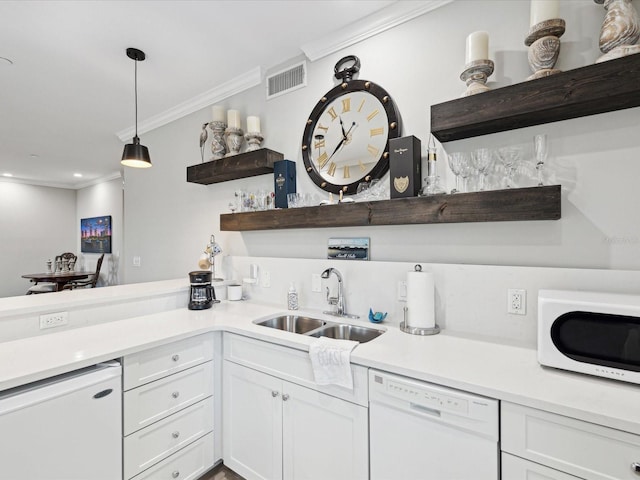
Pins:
x: 104, y: 198
x: 36, y: 224
x: 168, y: 221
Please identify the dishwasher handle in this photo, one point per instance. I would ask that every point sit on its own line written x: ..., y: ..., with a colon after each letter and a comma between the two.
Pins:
x: 432, y: 412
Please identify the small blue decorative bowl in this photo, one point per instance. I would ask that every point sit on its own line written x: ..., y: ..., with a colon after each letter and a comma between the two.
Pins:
x: 377, y: 317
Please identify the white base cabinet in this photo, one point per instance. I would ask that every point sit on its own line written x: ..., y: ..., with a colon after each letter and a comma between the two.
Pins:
x: 574, y: 447
x: 275, y: 429
x: 169, y: 410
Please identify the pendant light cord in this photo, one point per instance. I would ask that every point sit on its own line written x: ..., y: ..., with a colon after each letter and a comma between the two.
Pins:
x: 135, y: 83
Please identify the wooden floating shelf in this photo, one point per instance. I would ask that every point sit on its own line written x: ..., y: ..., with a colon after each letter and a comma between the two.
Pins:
x: 533, y: 203
x: 599, y: 88
x: 242, y: 165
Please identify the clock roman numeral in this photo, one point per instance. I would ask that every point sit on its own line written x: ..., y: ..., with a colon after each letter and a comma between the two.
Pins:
x: 373, y: 150
x: 361, y: 104
x: 332, y: 169
x: 318, y: 144
x: 333, y: 113
x: 361, y: 165
x: 322, y: 160
x: 320, y: 127
x: 376, y: 131
x: 372, y: 114
x: 346, y: 104
x: 345, y: 172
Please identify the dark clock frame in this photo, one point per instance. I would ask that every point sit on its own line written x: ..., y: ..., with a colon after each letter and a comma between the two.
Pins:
x: 382, y: 164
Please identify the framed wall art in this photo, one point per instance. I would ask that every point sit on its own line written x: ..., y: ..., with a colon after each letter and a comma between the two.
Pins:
x: 95, y: 234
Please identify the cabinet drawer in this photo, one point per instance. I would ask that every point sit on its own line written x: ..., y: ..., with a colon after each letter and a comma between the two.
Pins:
x: 154, y: 401
x: 148, y: 446
x: 291, y: 364
x: 579, y: 448
x: 155, y: 363
x: 186, y: 464
x: 515, y: 468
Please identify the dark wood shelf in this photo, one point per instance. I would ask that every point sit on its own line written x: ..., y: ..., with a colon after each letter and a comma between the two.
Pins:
x: 247, y: 164
x: 534, y: 203
x: 603, y: 87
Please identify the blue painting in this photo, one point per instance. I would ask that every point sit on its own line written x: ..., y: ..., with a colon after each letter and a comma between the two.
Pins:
x: 95, y: 234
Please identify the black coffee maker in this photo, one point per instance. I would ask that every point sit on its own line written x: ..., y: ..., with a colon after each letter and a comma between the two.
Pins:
x: 202, y: 294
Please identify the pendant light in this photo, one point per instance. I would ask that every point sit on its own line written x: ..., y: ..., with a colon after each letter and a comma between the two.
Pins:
x: 134, y: 154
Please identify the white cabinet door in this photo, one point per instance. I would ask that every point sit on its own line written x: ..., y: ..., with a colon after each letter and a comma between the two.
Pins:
x: 516, y: 468
x: 252, y: 423
x: 323, y: 437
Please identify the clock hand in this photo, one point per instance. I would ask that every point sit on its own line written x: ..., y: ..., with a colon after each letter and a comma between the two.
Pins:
x: 341, y: 144
x: 344, y: 135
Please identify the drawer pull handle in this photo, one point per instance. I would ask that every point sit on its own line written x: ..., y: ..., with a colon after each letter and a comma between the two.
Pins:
x: 175, y: 394
x: 175, y: 358
x: 175, y: 434
x: 285, y: 397
x: 274, y: 393
x: 175, y: 474
x: 635, y: 467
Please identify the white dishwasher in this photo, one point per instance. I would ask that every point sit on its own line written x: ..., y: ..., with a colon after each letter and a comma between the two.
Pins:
x: 422, y: 431
x: 67, y: 427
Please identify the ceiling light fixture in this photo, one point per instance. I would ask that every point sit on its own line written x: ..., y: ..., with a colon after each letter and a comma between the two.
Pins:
x: 134, y: 154
x: 77, y: 175
x: 7, y: 175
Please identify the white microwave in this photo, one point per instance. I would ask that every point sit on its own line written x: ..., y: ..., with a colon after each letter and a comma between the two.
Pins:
x: 589, y: 332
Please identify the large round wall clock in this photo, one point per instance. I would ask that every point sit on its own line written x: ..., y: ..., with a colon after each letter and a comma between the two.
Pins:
x: 346, y: 138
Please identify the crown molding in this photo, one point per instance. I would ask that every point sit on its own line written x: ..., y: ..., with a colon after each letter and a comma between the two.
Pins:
x: 66, y: 186
x: 232, y: 87
x: 384, y: 19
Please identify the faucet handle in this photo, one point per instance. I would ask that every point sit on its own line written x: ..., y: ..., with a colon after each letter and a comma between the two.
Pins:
x: 331, y: 300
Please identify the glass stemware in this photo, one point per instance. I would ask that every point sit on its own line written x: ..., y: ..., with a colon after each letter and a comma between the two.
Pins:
x: 466, y: 169
x: 456, y: 159
x: 482, y: 160
x: 541, y: 151
x: 509, y: 157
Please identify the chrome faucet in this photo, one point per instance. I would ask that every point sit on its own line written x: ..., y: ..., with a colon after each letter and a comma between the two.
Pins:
x: 340, y: 302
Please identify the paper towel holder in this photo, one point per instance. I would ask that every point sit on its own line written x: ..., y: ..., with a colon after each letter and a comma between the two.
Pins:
x: 417, y: 330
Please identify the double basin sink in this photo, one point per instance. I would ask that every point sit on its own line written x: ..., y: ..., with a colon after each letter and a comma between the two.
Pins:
x: 315, y: 327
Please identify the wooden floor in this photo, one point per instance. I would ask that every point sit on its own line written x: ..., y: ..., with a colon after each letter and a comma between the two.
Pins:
x: 221, y: 473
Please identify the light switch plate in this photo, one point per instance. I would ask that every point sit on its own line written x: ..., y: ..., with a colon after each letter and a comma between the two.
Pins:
x: 316, y: 283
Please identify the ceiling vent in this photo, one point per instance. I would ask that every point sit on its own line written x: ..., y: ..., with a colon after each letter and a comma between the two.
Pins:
x: 288, y: 80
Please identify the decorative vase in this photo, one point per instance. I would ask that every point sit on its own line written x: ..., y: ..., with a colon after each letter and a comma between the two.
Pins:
x: 620, y: 30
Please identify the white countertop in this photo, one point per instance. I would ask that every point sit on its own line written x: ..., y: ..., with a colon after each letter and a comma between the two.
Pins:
x: 496, y: 370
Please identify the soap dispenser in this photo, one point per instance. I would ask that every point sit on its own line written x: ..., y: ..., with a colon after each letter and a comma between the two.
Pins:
x: 292, y: 297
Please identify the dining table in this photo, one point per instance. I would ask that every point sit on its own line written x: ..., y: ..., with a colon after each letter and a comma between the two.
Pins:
x: 59, y: 278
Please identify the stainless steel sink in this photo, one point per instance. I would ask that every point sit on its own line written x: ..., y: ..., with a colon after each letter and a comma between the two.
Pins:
x: 348, y: 332
x: 292, y: 323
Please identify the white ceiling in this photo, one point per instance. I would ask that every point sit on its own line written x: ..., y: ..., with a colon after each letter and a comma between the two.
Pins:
x: 70, y: 86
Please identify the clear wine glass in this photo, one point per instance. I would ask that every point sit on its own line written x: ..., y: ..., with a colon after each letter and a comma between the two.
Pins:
x: 509, y: 157
x: 466, y: 169
x: 455, y: 161
x: 541, y: 151
x: 482, y: 160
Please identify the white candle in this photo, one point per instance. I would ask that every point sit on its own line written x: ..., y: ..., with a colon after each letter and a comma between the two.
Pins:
x: 477, y: 46
x: 253, y: 124
x: 217, y: 112
x: 542, y: 10
x: 233, y: 119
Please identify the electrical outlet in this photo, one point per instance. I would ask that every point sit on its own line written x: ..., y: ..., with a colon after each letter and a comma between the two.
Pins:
x: 517, y: 301
x: 316, y: 283
x: 137, y: 261
x: 265, y: 282
x: 51, y: 320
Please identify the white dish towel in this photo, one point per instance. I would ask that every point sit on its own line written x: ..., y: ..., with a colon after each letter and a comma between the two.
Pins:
x: 331, y: 361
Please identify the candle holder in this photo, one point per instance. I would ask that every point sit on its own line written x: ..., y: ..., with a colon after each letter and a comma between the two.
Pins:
x: 254, y: 139
x: 233, y: 137
x: 620, y: 30
x: 218, y: 147
x: 475, y: 75
x: 544, y: 47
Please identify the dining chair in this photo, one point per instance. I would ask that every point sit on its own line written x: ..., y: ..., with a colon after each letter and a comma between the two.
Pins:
x: 89, y: 283
x: 44, y: 287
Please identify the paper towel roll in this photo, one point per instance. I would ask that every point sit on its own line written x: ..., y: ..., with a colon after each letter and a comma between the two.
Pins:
x: 420, y: 300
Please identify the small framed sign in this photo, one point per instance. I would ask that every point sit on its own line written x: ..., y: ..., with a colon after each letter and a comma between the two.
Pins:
x: 348, y: 249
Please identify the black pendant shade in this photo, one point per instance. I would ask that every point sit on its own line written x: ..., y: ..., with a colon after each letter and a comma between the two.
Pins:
x: 134, y: 154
